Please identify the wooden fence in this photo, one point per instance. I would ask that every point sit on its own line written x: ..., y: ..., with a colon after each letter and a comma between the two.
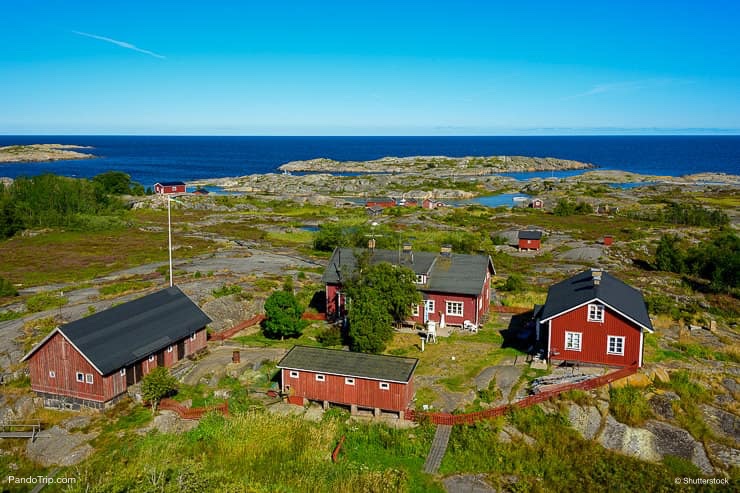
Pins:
x: 471, y: 418
x: 192, y: 412
x: 516, y: 310
x: 226, y: 334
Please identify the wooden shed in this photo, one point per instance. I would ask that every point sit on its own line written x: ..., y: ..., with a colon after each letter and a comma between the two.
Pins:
x: 529, y: 240
x: 358, y: 380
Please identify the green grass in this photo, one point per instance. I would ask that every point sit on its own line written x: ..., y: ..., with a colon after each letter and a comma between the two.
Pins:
x: 45, y: 301
x: 628, y: 405
x: 226, y: 290
x: 119, y: 288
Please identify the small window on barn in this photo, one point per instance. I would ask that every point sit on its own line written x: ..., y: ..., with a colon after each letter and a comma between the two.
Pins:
x: 320, y: 378
x: 192, y: 337
x: 294, y: 374
x: 615, y: 345
x: 573, y: 341
x: 80, y: 376
x: 595, y: 313
x: 169, y: 349
x: 89, y: 378
x: 384, y: 386
x: 454, y: 308
x: 123, y: 372
x: 52, y: 374
x: 349, y: 381
x: 151, y: 358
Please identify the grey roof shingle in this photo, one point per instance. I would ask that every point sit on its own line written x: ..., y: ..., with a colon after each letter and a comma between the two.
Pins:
x: 529, y: 234
x: 124, y: 334
x: 458, y: 273
x: 346, y: 363
x: 580, y: 289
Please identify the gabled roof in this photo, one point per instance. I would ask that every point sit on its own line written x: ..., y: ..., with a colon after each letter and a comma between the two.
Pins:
x: 458, y: 273
x: 580, y: 289
x: 170, y: 183
x: 529, y: 234
x: 124, y: 334
x: 349, y: 364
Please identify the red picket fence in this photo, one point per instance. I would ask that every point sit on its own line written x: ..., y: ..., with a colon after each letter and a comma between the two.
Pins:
x: 192, y: 412
x: 471, y: 418
x: 223, y: 335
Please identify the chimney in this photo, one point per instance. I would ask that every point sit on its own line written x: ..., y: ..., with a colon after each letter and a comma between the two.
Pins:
x: 446, y: 250
x: 408, y: 252
x: 596, y: 275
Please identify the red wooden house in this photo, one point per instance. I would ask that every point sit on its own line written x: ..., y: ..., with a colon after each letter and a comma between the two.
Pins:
x: 529, y: 240
x: 168, y: 187
x: 92, y: 361
x: 358, y: 380
x: 593, y: 318
x: 454, y: 287
x: 383, y: 202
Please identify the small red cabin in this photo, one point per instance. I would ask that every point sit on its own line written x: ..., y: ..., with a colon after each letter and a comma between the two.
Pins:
x: 537, y: 204
x: 529, y: 240
x: 593, y: 318
x: 92, y: 361
x: 381, y: 202
x: 168, y: 187
x: 608, y: 240
x: 358, y: 380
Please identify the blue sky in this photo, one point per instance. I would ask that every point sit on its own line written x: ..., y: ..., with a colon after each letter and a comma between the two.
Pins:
x: 369, y: 68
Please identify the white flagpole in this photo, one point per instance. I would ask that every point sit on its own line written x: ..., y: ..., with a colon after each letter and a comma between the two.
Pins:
x: 169, y: 236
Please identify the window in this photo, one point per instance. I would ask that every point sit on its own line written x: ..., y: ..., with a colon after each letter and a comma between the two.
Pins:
x: 80, y: 376
x: 151, y: 358
x: 384, y: 386
x: 415, y: 310
x: 421, y: 278
x: 573, y: 341
x: 192, y: 337
x: 89, y: 378
x: 320, y: 378
x: 52, y: 374
x: 169, y: 349
x: 123, y: 372
x: 595, y: 313
x: 349, y: 381
x: 293, y: 374
x: 455, y: 308
x: 429, y: 306
x: 615, y: 345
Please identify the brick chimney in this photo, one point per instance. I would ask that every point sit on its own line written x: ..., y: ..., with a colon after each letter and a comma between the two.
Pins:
x: 596, y: 275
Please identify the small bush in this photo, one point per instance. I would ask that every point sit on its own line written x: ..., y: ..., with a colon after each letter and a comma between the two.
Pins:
x: 45, y: 301
x: 227, y: 290
x: 7, y: 288
x: 514, y: 283
x: 331, y: 336
x: 629, y: 406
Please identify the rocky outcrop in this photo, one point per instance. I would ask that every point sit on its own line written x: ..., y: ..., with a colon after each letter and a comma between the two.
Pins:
x: 41, y: 152
x: 671, y: 440
x: 585, y: 420
x: 60, y: 447
x: 635, y: 442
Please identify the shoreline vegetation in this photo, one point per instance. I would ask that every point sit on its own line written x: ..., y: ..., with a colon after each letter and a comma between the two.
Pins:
x: 42, y: 152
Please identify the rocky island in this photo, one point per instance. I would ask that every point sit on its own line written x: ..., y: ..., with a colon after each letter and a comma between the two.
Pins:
x: 42, y: 152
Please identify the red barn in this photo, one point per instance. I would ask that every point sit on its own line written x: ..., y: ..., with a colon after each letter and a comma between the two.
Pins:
x: 358, y: 380
x: 168, y: 187
x: 454, y: 287
x: 529, y: 240
x: 593, y: 318
x: 92, y: 361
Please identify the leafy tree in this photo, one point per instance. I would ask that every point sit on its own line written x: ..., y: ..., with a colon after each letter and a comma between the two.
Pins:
x: 566, y: 207
x: 718, y: 261
x: 7, y: 288
x: 157, y: 384
x: 283, y: 312
x: 370, y: 323
x: 668, y: 256
x: 115, y: 182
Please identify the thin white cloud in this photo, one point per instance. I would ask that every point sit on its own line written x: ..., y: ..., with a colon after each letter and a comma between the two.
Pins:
x: 122, y: 44
x: 627, y: 86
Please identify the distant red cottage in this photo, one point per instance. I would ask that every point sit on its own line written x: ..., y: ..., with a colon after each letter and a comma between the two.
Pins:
x: 529, y: 240
x: 356, y: 380
x: 168, y: 187
x: 454, y: 287
x: 92, y: 361
x: 381, y: 202
x: 593, y: 318
x: 537, y: 204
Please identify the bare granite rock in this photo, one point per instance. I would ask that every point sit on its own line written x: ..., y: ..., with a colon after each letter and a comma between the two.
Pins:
x: 722, y: 422
x: 467, y: 483
x: 585, y: 420
x: 635, y: 442
x: 671, y: 440
x: 59, y: 447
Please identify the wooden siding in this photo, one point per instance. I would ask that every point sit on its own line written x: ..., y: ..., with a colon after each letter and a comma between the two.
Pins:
x: 594, y: 338
x: 529, y: 244
x: 364, y: 393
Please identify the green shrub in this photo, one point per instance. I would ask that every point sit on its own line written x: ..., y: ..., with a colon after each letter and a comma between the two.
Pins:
x: 331, y: 336
x: 227, y: 290
x: 629, y: 406
x: 45, y: 301
x: 514, y: 283
x: 7, y: 288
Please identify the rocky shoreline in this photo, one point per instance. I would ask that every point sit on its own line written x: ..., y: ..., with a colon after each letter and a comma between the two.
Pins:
x: 42, y: 152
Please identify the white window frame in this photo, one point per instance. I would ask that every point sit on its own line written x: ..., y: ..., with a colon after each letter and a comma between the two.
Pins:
x: 192, y: 336
x: 573, y: 336
x: 415, y: 310
x: 449, y: 304
x: 420, y: 279
x: 349, y: 381
x: 384, y: 386
x: 52, y: 374
x: 169, y: 349
x: 609, y: 340
x: 80, y: 377
x: 89, y: 378
x: 151, y: 359
x: 595, y: 312
x: 123, y: 372
x: 320, y: 377
x: 429, y: 306
x: 294, y: 374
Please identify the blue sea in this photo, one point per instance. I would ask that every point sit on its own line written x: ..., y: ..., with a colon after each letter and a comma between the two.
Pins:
x: 149, y: 159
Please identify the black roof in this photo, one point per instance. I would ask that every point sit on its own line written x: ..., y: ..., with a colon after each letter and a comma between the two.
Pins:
x: 124, y: 334
x: 346, y: 363
x: 529, y: 234
x: 170, y: 183
x: 580, y: 289
x: 456, y: 273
